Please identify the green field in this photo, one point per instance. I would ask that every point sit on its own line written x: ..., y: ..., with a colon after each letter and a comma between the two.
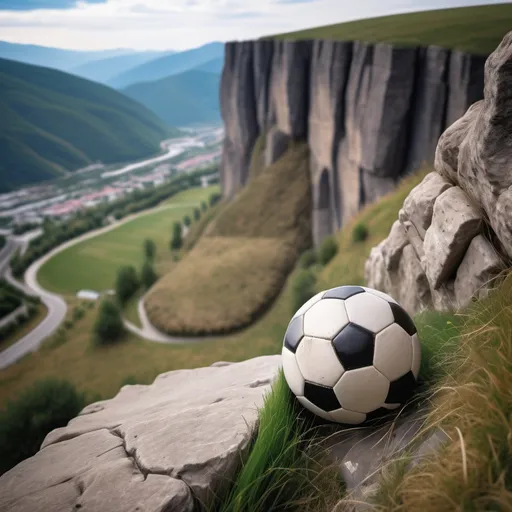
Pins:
x: 473, y: 29
x: 93, y: 264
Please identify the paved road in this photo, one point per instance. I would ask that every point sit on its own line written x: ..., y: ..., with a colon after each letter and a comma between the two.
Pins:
x: 56, y: 305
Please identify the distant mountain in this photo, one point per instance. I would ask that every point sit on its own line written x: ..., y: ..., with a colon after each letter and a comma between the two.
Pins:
x: 52, y: 122
x: 103, y: 70
x: 53, y: 57
x: 169, y: 65
x: 212, y: 66
x: 187, y: 98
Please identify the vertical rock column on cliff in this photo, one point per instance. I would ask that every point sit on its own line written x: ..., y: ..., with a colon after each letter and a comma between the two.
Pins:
x: 369, y: 112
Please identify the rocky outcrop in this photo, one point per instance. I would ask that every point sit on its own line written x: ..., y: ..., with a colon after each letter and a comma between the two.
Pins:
x: 458, y: 221
x: 167, y: 446
x: 370, y: 113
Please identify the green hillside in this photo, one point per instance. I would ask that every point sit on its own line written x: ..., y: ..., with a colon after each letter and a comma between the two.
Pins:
x: 473, y: 29
x: 52, y: 122
x: 187, y: 98
x: 167, y: 65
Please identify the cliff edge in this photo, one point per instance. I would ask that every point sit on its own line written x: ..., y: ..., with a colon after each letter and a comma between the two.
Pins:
x: 370, y: 113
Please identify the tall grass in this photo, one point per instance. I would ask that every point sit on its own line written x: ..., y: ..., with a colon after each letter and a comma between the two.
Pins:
x: 473, y: 406
x: 281, y: 471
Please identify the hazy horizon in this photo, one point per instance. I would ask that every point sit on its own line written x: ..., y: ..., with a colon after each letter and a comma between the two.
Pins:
x: 155, y: 25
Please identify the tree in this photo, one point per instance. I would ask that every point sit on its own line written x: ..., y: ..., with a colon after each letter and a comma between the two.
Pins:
x: 177, y: 239
x: 303, y: 288
x: 149, y: 249
x: 187, y: 221
x: 327, y: 250
x: 197, y: 214
x: 127, y: 283
x: 148, y: 275
x: 108, y: 327
x: 204, y: 206
x: 25, y: 422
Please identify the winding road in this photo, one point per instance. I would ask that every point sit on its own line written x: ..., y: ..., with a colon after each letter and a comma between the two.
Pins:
x: 57, y: 306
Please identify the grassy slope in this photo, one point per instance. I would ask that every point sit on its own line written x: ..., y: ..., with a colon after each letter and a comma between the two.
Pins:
x: 101, y: 372
x: 472, y: 29
x: 187, y: 98
x: 248, y: 250
x: 93, y: 264
x: 51, y: 122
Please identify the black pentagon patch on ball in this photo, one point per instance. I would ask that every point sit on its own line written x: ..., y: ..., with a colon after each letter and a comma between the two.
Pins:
x: 343, y: 292
x: 403, y: 319
x: 294, y: 333
x: 354, y: 347
x: 401, y: 390
x: 321, y: 396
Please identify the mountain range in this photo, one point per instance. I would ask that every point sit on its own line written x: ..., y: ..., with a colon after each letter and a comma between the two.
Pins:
x: 187, y: 98
x: 52, y: 122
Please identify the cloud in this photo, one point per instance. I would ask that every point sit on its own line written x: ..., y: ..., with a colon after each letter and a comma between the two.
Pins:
x: 30, y: 5
x: 182, y: 24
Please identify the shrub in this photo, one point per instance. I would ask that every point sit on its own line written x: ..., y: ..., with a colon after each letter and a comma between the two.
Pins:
x: 127, y: 283
x: 197, y: 214
x: 108, y: 327
x: 204, y: 206
x: 46, y: 405
x: 360, y: 232
x: 303, y: 288
x: 68, y: 324
x: 307, y: 259
x: 149, y: 249
x: 177, y: 239
x: 214, y: 199
x: 148, y: 275
x: 78, y: 313
x: 187, y: 221
x: 327, y: 250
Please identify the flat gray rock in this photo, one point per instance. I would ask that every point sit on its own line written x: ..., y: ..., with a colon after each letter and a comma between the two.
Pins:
x: 455, y: 222
x: 157, y: 447
x: 480, y: 264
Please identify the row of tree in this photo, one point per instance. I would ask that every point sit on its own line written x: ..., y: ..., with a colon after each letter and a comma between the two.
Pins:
x: 55, y: 232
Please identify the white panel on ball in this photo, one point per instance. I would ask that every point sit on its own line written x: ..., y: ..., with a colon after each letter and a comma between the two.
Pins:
x: 308, y: 304
x: 369, y: 311
x: 348, y: 417
x: 391, y: 407
x: 313, y: 408
x: 416, y: 355
x: 318, y: 362
x: 380, y: 294
x: 362, y: 390
x: 393, y: 352
x: 292, y: 372
x: 325, y: 319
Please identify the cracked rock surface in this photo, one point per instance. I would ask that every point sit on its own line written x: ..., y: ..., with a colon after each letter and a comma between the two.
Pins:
x: 164, y: 447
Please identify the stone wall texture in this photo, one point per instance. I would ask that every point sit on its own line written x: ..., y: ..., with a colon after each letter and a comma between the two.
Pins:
x: 454, y: 232
x: 370, y: 113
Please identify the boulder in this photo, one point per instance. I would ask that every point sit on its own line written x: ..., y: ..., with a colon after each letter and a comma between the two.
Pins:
x: 419, y: 204
x: 480, y: 264
x: 394, y: 245
x: 375, y: 272
x: 160, y: 447
x: 477, y: 150
x: 415, y: 240
x: 455, y: 222
x: 411, y: 282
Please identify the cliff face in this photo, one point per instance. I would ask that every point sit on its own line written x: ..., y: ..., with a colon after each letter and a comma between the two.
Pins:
x: 370, y: 113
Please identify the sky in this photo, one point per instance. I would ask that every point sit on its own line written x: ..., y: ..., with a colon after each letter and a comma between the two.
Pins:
x: 182, y: 24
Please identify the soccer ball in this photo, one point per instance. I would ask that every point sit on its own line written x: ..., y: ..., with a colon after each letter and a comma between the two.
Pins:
x: 351, y: 351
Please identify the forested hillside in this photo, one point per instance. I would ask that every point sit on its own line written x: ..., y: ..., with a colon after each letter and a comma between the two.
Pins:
x: 52, y: 122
